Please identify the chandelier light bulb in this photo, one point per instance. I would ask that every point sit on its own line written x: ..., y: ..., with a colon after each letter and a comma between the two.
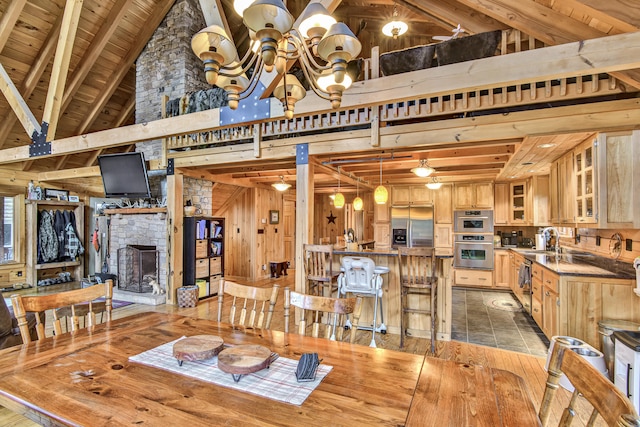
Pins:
x: 435, y: 184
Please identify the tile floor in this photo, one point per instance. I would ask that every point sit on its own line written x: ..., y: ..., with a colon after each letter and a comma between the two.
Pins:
x: 485, y: 317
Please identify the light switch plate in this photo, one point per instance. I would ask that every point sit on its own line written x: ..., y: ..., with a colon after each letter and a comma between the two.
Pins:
x: 628, y: 245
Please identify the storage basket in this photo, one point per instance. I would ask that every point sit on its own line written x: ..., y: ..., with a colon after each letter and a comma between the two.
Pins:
x: 188, y: 296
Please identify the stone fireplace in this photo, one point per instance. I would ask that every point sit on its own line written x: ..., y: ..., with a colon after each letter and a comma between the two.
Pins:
x: 137, y: 268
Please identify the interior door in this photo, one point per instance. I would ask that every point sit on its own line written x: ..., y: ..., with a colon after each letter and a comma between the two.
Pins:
x: 289, y: 221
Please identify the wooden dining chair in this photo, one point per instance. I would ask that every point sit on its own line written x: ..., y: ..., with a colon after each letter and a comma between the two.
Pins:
x: 327, y: 315
x: 319, y: 270
x: 608, y: 402
x: 251, y: 306
x: 418, y: 277
x: 75, y: 298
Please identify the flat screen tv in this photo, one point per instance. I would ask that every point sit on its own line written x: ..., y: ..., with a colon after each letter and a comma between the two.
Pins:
x: 124, y: 175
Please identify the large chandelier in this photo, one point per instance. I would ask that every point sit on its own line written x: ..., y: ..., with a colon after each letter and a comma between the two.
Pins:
x: 276, y: 43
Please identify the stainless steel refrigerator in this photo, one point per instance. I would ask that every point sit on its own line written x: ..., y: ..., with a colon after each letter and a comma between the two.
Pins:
x: 412, y: 226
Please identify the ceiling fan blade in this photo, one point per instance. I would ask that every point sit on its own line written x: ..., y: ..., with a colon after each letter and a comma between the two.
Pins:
x: 441, y: 38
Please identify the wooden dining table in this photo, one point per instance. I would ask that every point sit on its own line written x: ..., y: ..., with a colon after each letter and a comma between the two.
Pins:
x: 87, y: 379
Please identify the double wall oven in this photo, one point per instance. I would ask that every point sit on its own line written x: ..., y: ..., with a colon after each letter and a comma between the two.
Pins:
x: 473, y: 239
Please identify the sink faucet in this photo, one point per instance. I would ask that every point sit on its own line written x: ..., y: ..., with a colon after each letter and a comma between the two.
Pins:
x: 557, y: 233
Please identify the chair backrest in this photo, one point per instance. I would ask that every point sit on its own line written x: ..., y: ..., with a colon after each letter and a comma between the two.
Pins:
x: 318, y: 262
x: 324, y: 240
x: 607, y: 401
x: 357, y: 275
x: 328, y: 315
x: 417, y: 265
x: 77, y: 297
x: 251, y: 306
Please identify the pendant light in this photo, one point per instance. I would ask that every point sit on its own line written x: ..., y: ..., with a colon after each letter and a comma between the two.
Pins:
x: 357, y: 202
x: 396, y: 27
x: 338, y: 201
x: 281, y: 186
x: 423, y: 170
x: 380, y: 195
x: 435, y: 184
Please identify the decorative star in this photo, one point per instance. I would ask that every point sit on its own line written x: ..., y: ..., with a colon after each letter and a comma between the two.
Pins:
x: 331, y: 218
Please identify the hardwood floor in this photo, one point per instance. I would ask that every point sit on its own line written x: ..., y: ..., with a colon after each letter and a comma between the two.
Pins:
x: 529, y: 367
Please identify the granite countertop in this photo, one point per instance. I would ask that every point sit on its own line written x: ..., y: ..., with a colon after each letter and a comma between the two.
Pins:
x: 571, y: 263
x: 365, y: 252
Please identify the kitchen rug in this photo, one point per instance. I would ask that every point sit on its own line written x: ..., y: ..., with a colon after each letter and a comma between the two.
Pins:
x: 504, y: 304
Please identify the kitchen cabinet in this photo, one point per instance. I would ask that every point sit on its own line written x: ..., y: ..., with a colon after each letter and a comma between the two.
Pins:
x: 539, y: 200
x: 55, y: 270
x: 501, y: 203
x: 443, y: 238
x: 400, y: 195
x: 473, y: 195
x: 550, y: 306
x: 203, y: 253
x: 584, y: 160
x: 411, y: 195
x: 522, y: 294
x: 473, y: 278
x: 443, y: 204
x: 618, y: 180
x: 562, y: 190
x: 381, y: 212
x: 382, y: 235
x: 501, y: 267
x: 518, y: 204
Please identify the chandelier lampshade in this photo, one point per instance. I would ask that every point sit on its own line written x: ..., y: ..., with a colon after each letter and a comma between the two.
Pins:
x: 380, y: 194
x: 423, y: 170
x: 213, y: 46
x: 289, y: 90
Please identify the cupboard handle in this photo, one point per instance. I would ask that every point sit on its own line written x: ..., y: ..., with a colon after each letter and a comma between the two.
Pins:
x: 482, y: 278
x: 547, y: 294
x: 628, y: 379
x: 463, y: 277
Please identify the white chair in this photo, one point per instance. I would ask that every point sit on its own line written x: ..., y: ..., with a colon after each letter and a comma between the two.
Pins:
x: 360, y: 278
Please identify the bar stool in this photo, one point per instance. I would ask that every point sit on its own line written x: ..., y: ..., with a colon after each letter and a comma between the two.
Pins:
x: 417, y: 277
x: 361, y: 277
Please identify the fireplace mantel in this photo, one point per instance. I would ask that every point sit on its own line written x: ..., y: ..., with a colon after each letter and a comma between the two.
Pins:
x: 133, y: 211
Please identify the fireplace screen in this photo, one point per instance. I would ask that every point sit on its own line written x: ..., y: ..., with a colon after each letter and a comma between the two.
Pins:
x: 137, y: 267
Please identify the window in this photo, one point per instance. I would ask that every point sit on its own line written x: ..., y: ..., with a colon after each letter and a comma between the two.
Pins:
x: 7, y: 229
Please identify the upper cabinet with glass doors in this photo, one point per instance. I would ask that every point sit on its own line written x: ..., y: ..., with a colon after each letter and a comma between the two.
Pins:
x: 585, y: 182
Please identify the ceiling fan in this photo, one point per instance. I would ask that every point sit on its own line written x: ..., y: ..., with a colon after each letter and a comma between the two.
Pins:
x: 457, y: 32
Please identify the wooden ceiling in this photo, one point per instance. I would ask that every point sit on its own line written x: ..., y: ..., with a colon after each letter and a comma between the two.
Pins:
x: 99, y: 92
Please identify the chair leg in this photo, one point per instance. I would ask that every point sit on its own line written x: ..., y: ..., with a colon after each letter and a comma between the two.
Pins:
x: 383, y: 327
x: 402, y: 319
x: 375, y: 320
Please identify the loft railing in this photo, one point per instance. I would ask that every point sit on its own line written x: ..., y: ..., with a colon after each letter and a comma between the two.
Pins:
x: 459, y: 103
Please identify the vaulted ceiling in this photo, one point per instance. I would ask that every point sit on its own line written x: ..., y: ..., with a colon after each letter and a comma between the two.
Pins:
x: 99, y: 89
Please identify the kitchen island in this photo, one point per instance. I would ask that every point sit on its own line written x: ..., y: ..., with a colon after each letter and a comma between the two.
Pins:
x: 418, y: 325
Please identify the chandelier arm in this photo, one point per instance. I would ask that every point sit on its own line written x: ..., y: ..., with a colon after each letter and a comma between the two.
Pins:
x: 299, y: 41
x: 243, y: 70
x: 253, y: 82
x: 312, y: 84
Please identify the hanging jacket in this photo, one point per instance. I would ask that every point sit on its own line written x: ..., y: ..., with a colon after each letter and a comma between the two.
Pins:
x: 47, y: 238
x: 59, y: 226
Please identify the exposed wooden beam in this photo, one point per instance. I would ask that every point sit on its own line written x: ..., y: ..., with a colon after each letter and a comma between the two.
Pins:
x: 9, y: 19
x: 237, y: 193
x: 545, y: 24
x: 59, y: 175
x: 450, y: 13
x: 36, y: 70
x: 53, y: 104
x: 93, y: 52
x: 160, y: 11
x: 18, y: 105
x: 623, y: 11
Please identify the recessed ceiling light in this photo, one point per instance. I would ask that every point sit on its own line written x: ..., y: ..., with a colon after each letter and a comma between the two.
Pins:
x: 527, y: 163
x: 547, y: 145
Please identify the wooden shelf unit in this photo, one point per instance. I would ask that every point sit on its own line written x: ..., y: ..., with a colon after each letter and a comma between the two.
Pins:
x: 203, y: 253
x: 36, y: 271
